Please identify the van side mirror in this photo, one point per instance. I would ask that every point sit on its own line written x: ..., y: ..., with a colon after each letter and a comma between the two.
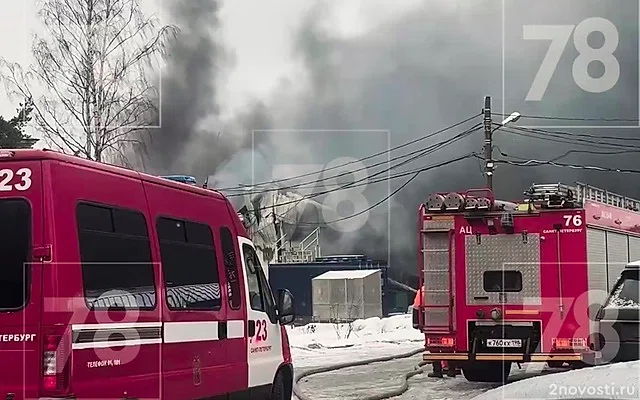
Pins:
x: 286, y: 312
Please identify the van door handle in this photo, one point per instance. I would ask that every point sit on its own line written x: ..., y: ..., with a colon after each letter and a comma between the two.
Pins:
x: 222, y: 330
x: 251, y: 328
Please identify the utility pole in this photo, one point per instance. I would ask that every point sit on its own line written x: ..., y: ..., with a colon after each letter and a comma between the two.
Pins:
x: 488, y: 142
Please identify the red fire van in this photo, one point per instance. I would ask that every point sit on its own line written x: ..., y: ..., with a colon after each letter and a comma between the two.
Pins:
x: 120, y: 285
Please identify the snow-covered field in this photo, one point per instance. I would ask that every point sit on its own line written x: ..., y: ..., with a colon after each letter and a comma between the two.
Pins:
x: 616, y: 381
x: 316, y: 345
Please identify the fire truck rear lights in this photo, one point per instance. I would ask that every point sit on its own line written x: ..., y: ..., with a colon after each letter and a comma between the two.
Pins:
x: 569, y: 343
x: 441, y: 342
x: 496, y: 314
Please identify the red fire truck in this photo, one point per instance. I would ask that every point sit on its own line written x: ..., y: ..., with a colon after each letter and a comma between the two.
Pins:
x: 520, y: 282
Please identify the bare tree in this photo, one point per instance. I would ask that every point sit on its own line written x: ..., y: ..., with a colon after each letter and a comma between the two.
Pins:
x: 93, y: 67
x: 344, y: 315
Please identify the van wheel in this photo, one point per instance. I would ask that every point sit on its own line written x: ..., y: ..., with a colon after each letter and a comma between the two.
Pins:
x: 487, y: 371
x: 282, y: 387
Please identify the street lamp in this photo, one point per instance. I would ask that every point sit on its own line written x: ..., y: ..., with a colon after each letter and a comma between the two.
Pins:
x: 489, y: 164
x: 511, y: 118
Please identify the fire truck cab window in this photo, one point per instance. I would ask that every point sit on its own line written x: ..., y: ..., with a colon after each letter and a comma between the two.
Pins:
x: 626, y: 293
x: 115, y: 251
x: 189, y: 265
x: 502, y: 281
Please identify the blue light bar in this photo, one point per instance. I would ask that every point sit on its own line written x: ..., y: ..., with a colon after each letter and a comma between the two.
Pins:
x: 189, y: 180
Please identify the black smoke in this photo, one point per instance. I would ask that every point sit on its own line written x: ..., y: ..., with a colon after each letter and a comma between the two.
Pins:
x: 418, y: 73
x: 432, y: 68
x: 191, y: 138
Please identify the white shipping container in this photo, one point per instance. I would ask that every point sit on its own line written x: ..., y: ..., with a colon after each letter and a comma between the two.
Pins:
x: 345, y: 296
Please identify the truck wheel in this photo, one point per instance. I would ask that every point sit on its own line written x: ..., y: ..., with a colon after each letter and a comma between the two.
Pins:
x: 487, y: 371
x: 282, y: 387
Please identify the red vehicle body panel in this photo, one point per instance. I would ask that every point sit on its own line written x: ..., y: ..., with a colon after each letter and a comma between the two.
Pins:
x: 573, y: 271
x: 563, y: 269
x: 607, y: 216
x: 56, y: 303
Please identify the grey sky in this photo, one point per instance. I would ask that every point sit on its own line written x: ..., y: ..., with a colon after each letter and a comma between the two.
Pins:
x: 259, y: 34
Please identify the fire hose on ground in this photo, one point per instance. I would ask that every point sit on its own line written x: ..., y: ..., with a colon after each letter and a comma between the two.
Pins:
x: 380, y: 396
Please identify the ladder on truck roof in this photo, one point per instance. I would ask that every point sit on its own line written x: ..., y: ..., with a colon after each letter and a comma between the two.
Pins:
x: 558, y: 195
x: 587, y: 192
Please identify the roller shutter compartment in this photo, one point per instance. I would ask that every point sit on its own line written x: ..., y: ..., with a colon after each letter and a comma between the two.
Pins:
x: 617, y: 256
x: 634, y: 248
x: 597, y: 265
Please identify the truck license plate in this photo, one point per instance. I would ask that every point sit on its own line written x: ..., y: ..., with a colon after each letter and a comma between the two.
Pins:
x: 504, y: 343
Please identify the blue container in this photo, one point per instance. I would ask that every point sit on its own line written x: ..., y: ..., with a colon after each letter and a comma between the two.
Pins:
x: 297, y: 279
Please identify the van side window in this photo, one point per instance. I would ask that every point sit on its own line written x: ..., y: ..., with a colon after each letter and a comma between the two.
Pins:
x: 230, y: 267
x: 117, y: 268
x: 15, y: 247
x: 189, y: 265
x: 260, y: 296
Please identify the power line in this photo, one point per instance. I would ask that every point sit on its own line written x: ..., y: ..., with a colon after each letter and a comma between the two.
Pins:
x: 567, y: 153
x: 428, y: 136
x: 564, y: 137
x: 415, y: 174
x: 408, y: 181
x: 540, y: 163
x: 572, y: 118
x: 421, y: 153
x: 354, y: 184
x: 583, y: 135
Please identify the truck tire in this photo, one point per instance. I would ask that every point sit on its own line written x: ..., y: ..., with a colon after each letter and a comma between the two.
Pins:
x: 487, y: 371
x: 282, y: 387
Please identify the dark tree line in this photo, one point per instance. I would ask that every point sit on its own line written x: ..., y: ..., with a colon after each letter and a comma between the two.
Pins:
x: 12, y: 135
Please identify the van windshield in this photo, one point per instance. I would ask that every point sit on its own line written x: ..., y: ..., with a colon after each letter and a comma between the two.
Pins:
x: 627, y: 292
x: 15, y: 242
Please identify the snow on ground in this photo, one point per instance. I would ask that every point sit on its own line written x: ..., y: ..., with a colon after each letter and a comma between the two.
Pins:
x: 615, y: 381
x: 319, y: 344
